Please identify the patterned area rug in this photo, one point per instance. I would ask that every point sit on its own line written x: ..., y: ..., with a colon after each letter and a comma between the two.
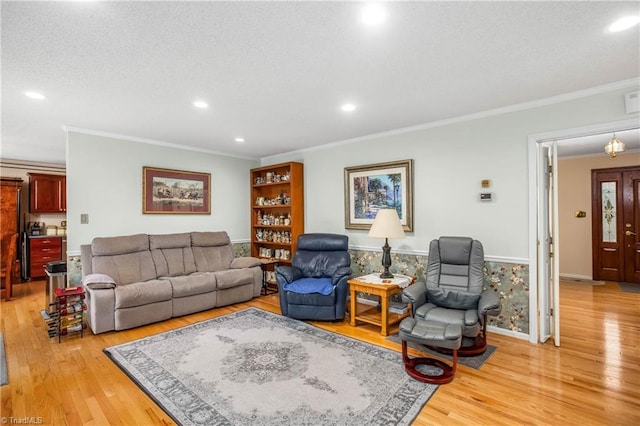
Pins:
x: 253, y: 367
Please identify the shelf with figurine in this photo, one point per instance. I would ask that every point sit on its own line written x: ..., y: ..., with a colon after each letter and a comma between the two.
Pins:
x: 277, y: 210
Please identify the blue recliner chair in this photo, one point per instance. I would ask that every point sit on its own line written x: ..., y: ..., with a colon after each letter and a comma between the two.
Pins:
x: 315, y: 286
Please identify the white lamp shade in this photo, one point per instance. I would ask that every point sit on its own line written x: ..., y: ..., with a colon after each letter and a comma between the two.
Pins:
x: 386, y: 225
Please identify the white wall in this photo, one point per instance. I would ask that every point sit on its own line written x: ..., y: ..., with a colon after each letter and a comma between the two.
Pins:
x: 104, y: 180
x: 450, y: 160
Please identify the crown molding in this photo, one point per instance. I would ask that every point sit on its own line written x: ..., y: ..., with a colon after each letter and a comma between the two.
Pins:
x: 606, y: 88
x: 69, y: 129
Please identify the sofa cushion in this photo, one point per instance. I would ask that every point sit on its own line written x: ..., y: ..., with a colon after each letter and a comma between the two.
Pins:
x: 191, y: 285
x: 142, y: 293
x: 210, y: 239
x: 168, y: 241
x: 452, y: 299
x: 233, y: 278
x: 311, y: 300
x: 126, y: 268
x: 310, y: 285
x: 212, y: 251
x: 110, y: 246
x: 172, y: 254
x: 244, y: 262
x: 174, y: 262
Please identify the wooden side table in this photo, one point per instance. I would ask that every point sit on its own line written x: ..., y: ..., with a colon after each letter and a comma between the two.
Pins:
x: 266, y: 265
x: 373, y: 284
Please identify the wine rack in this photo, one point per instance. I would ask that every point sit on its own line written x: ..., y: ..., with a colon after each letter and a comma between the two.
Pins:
x: 68, y: 315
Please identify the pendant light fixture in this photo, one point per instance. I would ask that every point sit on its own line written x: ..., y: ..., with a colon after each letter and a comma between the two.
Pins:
x: 614, y: 146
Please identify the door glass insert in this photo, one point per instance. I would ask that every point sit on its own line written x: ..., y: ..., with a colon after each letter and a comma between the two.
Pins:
x: 609, y: 212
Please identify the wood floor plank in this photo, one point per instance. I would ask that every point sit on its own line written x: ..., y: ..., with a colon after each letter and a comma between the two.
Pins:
x: 592, y: 379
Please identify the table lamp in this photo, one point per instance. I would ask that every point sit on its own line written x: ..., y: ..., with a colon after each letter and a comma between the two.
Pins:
x: 386, y: 225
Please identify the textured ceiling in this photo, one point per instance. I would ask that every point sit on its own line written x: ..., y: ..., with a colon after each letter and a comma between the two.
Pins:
x: 276, y: 73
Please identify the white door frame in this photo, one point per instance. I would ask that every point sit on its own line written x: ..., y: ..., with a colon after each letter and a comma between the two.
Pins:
x: 536, y: 208
x: 547, y: 228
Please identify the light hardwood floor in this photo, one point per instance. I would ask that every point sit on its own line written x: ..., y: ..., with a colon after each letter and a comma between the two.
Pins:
x: 592, y: 379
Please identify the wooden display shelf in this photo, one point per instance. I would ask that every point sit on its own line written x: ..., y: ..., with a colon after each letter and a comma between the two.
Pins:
x: 287, y: 196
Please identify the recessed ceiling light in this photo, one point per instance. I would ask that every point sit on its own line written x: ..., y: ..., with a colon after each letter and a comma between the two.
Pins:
x: 624, y: 23
x: 34, y: 95
x: 239, y: 140
x: 200, y: 104
x: 373, y: 14
x: 348, y: 107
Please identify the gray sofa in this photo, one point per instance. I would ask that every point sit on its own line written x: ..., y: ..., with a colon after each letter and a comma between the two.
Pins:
x: 140, y: 279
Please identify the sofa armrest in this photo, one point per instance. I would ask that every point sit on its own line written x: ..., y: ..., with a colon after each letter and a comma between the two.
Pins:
x: 489, y: 304
x: 416, y: 294
x: 287, y: 274
x: 244, y: 262
x: 101, y: 306
x: 340, y: 274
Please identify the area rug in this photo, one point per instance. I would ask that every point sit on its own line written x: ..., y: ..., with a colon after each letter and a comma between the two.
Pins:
x: 254, y: 367
x: 470, y: 361
x: 4, y: 379
x: 629, y: 287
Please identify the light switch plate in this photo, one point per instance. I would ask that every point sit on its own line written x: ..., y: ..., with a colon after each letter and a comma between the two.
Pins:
x: 84, y: 219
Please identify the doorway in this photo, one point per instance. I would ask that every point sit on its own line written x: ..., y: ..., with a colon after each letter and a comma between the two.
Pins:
x: 542, y: 296
x: 616, y: 221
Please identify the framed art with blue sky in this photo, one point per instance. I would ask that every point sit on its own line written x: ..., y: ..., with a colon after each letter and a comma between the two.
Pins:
x: 372, y: 187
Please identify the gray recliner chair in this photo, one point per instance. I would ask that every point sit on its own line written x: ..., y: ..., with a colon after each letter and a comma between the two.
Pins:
x: 453, y: 291
x: 315, y: 286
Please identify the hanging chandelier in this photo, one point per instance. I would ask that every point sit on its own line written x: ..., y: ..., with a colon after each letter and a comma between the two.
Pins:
x: 614, y: 146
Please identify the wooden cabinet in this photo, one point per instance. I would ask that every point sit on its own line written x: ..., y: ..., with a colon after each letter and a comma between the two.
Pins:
x: 9, y: 225
x: 47, y: 193
x: 277, y: 211
x: 43, y: 250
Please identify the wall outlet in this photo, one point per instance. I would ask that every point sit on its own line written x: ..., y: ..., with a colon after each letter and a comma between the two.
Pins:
x: 84, y: 219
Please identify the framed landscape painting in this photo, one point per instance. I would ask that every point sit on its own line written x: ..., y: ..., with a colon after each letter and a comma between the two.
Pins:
x: 175, y: 191
x: 372, y: 187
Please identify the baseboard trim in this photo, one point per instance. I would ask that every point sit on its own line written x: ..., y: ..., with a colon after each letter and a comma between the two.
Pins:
x: 510, y: 333
x: 576, y: 277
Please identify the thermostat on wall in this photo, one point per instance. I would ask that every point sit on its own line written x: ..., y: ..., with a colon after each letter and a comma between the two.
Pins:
x: 485, y: 196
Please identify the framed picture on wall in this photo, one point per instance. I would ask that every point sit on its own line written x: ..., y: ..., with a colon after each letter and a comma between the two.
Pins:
x: 372, y: 187
x: 175, y: 191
